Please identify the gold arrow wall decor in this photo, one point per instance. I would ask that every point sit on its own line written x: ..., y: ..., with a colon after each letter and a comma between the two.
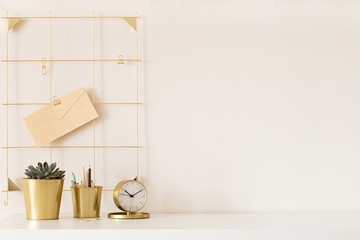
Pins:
x: 132, y: 22
x: 12, y: 22
x: 12, y: 186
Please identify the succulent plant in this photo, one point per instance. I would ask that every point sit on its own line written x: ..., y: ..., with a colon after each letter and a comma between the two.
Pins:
x: 44, y: 171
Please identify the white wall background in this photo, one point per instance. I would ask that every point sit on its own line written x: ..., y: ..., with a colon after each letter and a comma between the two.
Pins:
x: 250, y: 106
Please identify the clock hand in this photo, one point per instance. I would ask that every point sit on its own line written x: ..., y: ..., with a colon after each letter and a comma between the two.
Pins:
x: 125, y: 194
x: 137, y: 193
x: 129, y: 194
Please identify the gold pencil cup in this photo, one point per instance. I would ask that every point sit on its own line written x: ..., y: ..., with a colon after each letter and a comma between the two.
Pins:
x: 42, y: 198
x: 86, y: 201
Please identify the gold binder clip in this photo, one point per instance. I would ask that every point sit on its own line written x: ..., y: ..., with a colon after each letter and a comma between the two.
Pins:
x: 43, y: 68
x: 121, y: 59
x: 56, y: 101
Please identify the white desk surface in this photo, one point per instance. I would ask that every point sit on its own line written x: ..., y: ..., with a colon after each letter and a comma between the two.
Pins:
x: 340, y: 226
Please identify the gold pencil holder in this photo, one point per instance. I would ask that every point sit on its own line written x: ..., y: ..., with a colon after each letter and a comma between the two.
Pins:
x: 86, y: 201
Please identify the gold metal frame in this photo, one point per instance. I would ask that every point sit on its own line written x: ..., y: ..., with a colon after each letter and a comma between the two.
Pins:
x: 133, y: 23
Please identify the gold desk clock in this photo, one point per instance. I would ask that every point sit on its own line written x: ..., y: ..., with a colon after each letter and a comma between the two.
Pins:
x: 130, y: 196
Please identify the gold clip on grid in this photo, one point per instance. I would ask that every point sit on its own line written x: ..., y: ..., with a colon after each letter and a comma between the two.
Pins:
x: 121, y: 59
x: 43, y: 66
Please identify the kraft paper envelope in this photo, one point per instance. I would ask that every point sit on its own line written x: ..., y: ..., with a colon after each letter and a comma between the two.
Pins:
x: 61, y: 117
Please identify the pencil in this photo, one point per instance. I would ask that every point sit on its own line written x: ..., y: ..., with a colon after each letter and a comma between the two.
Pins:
x: 89, y: 179
x: 84, y: 177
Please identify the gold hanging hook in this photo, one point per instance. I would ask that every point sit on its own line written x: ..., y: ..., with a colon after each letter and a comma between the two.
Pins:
x: 43, y: 68
x: 121, y: 59
x: 6, y: 202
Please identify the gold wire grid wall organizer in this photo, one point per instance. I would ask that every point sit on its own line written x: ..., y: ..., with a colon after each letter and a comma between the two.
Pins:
x: 133, y: 22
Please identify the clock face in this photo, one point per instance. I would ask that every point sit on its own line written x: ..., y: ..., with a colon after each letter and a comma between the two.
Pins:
x: 132, y: 196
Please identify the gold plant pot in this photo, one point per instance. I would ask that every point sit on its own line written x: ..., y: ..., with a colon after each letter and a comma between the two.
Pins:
x: 42, y: 198
x: 86, y: 201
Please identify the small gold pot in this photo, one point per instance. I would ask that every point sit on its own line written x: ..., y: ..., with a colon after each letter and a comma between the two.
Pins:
x: 86, y: 201
x: 42, y: 198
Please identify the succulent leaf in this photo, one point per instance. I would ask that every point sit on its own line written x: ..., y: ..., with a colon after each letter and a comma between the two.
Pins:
x: 52, y: 167
x: 44, y: 171
x: 34, y: 170
x: 46, y: 167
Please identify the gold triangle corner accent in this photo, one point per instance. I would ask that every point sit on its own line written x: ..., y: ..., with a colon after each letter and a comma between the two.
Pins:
x: 12, y: 22
x: 131, y: 22
x: 12, y: 186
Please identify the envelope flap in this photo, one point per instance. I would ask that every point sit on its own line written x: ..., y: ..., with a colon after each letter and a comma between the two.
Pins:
x: 67, y: 102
